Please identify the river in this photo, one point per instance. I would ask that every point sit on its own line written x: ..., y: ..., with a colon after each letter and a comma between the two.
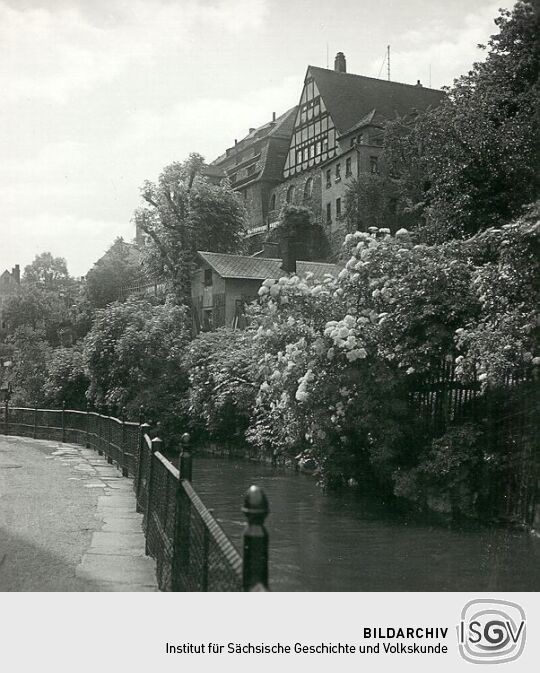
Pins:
x: 349, y: 542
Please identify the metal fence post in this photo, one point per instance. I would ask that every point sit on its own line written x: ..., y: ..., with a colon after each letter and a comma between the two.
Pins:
x: 63, y: 421
x: 99, y: 432
x: 109, y: 427
x: 6, y: 417
x: 205, y: 563
x: 87, y: 432
x: 185, y: 466
x: 143, y: 430
x: 35, y: 420
x: 255, y: 565
x: 124, y: 464
x: 157, y: 445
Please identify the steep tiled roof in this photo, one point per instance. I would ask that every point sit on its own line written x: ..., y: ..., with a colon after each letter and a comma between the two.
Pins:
x: 280, y: 128
x: 260, y: 268
x: 373, y: 118
x: 350, y: 98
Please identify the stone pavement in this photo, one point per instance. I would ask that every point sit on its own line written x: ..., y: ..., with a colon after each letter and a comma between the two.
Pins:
x: 116, y: 560
x: 68, y: 521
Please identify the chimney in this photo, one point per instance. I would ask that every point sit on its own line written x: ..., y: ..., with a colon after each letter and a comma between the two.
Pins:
x: 273, y: 116
x: 340, y: 64
x: 16, y: 274
x: 418, y: 82
x: 288, y: 247
x: 251, y: 129
x: 270, y: 250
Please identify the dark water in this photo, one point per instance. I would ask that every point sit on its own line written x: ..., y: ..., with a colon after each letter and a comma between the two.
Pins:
x: 346, y: 542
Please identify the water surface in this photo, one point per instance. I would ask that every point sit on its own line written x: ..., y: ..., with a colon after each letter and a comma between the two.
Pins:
x: 349, y: 542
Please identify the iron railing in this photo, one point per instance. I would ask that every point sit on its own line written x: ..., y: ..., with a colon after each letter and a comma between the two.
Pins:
x: 191, y: 550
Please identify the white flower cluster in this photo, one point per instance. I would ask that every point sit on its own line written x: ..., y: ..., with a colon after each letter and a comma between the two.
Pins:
x: 302, y: 390
x: 345, y: 336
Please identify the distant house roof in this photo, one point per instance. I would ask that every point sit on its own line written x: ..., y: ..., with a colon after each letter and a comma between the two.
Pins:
x: 260, y: 268
x: 350, y: 98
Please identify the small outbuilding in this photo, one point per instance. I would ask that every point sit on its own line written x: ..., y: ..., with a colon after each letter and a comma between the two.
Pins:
x: 223, y: 284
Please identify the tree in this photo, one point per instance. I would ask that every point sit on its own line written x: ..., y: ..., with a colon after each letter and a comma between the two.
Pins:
x: 469, y: 163
x: 42, y: 310
x: 29, y: 373
x: 185, y: 213
x: 297, y: 233
x: 47, y: 272
x: 133, y: 356
x: 373, y: 201
x: 118, y: 267
x: 66, y: 379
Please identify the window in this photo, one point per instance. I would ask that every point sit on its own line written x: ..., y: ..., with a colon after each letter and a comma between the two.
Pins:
x: 273, y: 202
x: 238, y: 159
x: 338, y: 172
x: 348, y: 169
x: 233, y: 178
x: 338, y: 208
x: 290, y: 194
x: 308, y: 189
x: 251, y: 169
x: 373, y: 164
x: 328, y: 179
x: 207, y: 277
x: 328, y: 213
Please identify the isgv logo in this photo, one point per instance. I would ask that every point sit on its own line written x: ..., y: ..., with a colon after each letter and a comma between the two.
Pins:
x: 491, y: 631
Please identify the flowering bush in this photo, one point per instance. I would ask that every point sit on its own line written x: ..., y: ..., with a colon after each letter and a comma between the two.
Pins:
x: 331, y: 361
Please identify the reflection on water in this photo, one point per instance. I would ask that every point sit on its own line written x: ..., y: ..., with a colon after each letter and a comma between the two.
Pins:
x: 346, y: 542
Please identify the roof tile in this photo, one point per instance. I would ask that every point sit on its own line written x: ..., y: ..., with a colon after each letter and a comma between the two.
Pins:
x: 260, y: 268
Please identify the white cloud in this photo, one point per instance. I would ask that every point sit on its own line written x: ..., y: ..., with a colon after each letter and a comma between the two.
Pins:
x: 52, y: 54
x: 437, y: 43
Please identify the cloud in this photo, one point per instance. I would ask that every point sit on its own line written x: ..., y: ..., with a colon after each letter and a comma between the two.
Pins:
x: 54, y: 53
x: 440, y: 45
x: 62, y: 179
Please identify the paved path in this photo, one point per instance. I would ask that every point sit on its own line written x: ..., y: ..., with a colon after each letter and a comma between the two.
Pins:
x: 67, y: 521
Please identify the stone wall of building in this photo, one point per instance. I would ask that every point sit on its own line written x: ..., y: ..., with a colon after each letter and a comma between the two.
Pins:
x: 310, y: 198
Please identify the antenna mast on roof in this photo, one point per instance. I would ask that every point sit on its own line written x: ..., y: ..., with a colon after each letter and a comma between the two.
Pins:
x: 388, y: 60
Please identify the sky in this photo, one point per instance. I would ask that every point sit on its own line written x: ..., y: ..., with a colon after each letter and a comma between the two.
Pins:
x: 99, y: 95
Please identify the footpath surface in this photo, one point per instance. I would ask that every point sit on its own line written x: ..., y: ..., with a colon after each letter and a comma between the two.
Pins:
x: 68, y: 521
